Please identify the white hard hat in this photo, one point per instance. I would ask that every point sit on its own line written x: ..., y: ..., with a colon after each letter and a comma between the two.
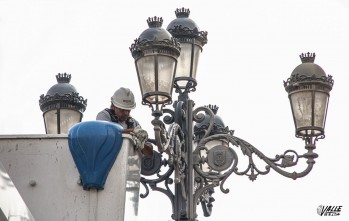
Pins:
x: 123, y: 98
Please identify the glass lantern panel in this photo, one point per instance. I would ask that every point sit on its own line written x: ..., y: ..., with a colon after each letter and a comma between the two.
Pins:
x: 184, y: 61
x: 321, y: 102
x: 166, y: 73
x: 197, y: 52
x: 301, y: 103
x: 146, y: 73
x: 68, y: 119
x: 50, y: 118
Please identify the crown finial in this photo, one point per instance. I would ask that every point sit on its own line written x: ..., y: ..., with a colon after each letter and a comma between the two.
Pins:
x: 214, y: 108
x: 63, y: 78
x: 154, y: 22
x: 307, y: 57
x: 182, y: 12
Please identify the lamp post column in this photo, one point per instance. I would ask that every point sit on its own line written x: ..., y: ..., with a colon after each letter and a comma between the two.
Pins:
x: 190, y: 174
x: 184, y: 188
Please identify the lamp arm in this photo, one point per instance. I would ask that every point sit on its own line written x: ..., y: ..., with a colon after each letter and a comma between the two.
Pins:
x: 288, y: 159
x: 161, y: 136
x: 222, y: 161
x: 171, y: 143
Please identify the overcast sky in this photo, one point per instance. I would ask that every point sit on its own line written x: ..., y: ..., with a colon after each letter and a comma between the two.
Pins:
x: 252, y: 47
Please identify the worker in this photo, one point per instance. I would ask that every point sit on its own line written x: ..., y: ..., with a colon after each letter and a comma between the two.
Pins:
x: 122, y: 102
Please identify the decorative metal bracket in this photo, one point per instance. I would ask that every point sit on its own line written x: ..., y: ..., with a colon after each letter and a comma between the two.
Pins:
x: 212, y: 164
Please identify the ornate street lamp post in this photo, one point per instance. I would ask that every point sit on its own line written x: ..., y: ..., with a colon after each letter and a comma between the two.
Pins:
x: 62, y: 106
x: 200, y: 156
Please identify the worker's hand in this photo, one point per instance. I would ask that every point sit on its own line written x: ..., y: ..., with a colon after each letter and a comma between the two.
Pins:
x: 147, y: 150
x: 127, y: 131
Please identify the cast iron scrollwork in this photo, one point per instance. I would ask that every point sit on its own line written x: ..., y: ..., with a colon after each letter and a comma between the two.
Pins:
x: 222, y: 160
x: 213, y: 165
x: 213, y: 158
x: 289, y: 158
x: 171, y: 143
